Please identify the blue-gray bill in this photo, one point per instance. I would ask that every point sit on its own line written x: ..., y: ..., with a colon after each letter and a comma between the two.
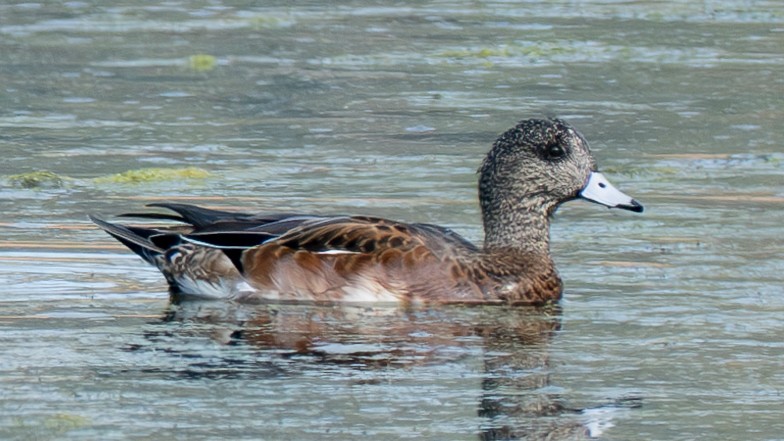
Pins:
x: 598, y: 189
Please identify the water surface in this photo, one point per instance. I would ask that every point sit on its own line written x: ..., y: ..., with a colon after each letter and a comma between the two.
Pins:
x: 670, y: 327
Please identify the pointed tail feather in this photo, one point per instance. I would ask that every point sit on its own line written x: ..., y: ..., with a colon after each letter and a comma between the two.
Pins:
x: 155, y: 216
x: 206, y: 220
x: 136, y: 239
x: 186, y: 213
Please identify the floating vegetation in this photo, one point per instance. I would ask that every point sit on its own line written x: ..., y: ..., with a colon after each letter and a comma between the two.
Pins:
x: 202, y: 62
x: 154, y: 174
x: 575, y: 51
x: 51, y: 426
x: 36, y: 179
x: 265, y: 22
x: 477, y: 53
x: 504, y: 51
x: 63, y: 422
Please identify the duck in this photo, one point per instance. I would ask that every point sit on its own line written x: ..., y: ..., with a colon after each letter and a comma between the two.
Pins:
x: 530, y: 170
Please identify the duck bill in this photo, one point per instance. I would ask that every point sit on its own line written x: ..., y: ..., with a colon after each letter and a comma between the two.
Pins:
x: 598, y: 189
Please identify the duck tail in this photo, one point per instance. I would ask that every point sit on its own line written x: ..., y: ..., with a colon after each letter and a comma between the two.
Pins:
x: 136, y: 239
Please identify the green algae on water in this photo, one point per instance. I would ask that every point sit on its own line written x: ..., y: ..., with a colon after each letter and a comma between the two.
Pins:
x: 511, y: 50
x: 265, y: 22
x: 63, y: 422
x: 50, y: 427
x: 202, y: 62
x: 37, y: 179
x: 154, y: 174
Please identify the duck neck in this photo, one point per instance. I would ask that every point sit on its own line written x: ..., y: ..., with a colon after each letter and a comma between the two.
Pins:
x: 515, y: 227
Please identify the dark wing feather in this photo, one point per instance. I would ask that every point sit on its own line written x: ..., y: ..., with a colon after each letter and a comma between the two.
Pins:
x: 204, y: 220
x: 284, y: 224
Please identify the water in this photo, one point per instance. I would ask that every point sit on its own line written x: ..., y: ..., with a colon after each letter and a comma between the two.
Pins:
x: 670, y: 327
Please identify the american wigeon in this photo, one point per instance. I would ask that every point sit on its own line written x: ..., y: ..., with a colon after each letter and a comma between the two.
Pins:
x: 530, y: 170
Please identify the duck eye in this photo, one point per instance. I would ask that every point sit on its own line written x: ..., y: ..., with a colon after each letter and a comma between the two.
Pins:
x: 555, y: 151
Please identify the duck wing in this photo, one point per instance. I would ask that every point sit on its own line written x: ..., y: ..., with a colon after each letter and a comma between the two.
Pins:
x: 349, y: 258
x: 204, y: 220
x: 339, y: 234
x: 313, y: 257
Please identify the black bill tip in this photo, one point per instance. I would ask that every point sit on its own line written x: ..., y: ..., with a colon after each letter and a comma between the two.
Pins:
x: 633, y: 206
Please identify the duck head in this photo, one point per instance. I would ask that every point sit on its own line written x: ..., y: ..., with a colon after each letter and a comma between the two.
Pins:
x: 531, y: 169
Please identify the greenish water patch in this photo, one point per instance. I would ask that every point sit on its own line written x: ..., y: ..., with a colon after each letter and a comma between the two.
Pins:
x: 37, y: 179
x: 202, y: 62
x: 258, y: 22
x: 534, y: 51
x: 153, y: 174
x: 50, y: 427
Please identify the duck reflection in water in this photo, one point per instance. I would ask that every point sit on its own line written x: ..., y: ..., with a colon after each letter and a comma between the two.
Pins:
x: 509, y: 347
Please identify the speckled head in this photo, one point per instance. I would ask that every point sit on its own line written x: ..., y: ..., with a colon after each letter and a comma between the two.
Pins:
x: 531, y: 169
x: 537, y: 164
